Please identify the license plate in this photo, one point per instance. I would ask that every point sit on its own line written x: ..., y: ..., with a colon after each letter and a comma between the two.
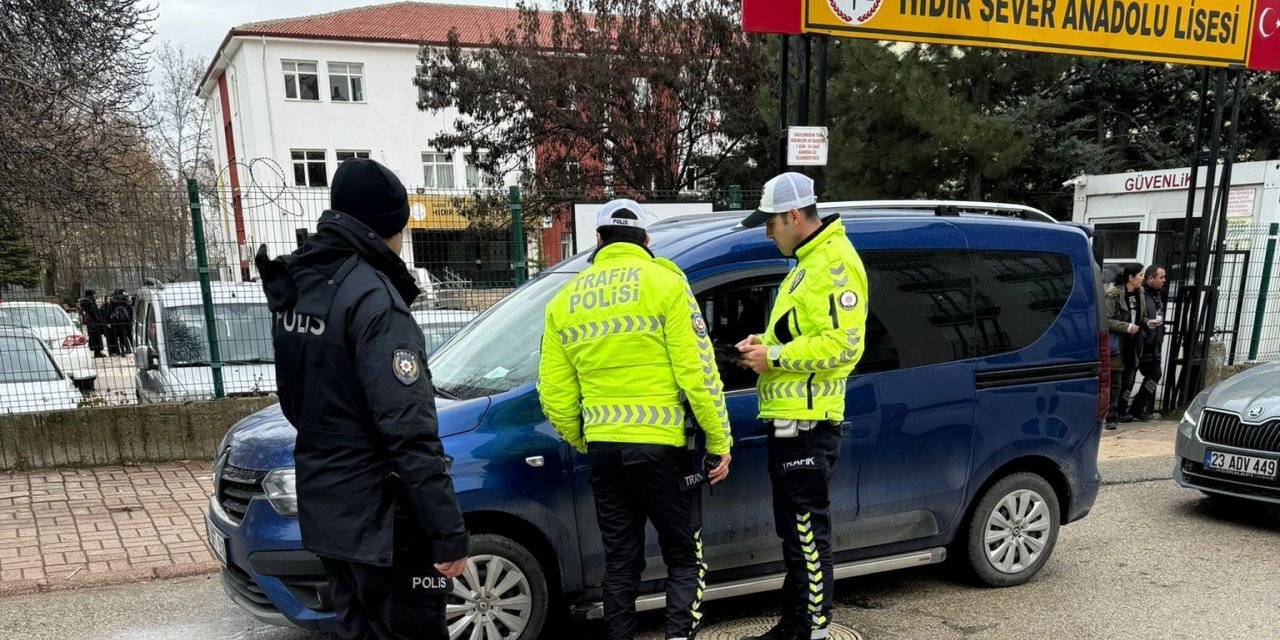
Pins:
x: 217, y: 543
x: 1240, y: 465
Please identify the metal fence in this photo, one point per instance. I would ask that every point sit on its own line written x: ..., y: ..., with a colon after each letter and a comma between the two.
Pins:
x: 104, y: 306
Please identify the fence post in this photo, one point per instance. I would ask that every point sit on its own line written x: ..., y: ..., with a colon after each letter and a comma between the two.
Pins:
x: 1267, y: 261
x: 518, y: 266
x: 202, y: 264
x: 735, y: 197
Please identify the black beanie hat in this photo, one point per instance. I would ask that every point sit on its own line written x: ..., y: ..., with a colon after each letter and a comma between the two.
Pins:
x: 370, y: 193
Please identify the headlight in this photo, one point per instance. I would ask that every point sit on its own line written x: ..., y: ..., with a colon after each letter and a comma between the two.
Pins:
x: 1192, y: 416
x: 282, y: 491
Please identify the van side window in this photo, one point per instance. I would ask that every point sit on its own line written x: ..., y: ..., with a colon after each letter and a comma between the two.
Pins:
x: 920, y: 310
x: 150, y: 337
x: 1019, y: 294
x: 732, y: 312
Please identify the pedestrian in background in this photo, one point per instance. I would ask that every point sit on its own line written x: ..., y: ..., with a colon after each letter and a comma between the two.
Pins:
x: 91, y: 318
x: 1152, y: 344
x: 1126, y: 314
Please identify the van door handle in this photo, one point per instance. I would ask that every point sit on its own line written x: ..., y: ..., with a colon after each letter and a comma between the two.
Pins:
x: 534, y: 461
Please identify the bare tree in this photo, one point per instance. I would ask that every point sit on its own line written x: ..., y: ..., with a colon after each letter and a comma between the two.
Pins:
x: 71, y: 76
x: 630, y: 94
x: 182, y: 138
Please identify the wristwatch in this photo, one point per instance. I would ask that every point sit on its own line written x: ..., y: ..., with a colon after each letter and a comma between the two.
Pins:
x: 775, y: 356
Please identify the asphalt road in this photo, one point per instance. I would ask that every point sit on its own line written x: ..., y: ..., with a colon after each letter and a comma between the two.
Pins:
x: 1151, y: 561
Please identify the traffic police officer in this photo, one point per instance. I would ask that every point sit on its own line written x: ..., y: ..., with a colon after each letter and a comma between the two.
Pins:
x: 624, y: 342
x: 813, y: 340
x: 375, y: 500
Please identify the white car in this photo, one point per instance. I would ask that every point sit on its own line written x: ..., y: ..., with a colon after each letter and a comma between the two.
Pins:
x: 438, y: 325
x: 30, y: 381
x: 54, y: 327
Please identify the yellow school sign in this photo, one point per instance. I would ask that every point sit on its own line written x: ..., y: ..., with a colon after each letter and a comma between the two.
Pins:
x: 1202, y: 32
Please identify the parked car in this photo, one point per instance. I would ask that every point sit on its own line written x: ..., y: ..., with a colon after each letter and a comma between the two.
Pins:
x: 1228, y: 442
x: 30, y: 379
x: 972, y: 425
x: 59, y: 332
x: 438, y: 325
x: 172, y: 342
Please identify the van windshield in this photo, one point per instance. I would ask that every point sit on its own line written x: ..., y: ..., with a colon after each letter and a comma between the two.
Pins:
x: 499, y: 350
x: 23, y: 359
x: 244, y: 334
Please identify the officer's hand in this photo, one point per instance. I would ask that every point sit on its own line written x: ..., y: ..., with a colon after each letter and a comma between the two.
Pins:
x: 1133, y: 328
x: 452, y: 569
x: 755, y: 357
x: 721, y: 471
x: 749, y: 340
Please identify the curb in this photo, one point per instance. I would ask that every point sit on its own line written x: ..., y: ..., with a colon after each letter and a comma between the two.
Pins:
x: 26, y: 587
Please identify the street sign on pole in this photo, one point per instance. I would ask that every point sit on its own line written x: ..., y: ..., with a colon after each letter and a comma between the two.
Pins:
x: 807, y: 146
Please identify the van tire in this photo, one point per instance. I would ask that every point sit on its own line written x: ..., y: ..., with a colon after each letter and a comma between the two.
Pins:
x: 1035, y: 497
x: 85, y: 385
x: 492, y: 552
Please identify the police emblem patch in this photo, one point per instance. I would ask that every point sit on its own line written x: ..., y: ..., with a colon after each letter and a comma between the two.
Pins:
x: 699, y: 325
x: 404, y: 364
x: 848, y: 300
x: 796, y: 282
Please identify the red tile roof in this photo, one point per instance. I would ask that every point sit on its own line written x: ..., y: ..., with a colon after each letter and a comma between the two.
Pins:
x: 410, y: 22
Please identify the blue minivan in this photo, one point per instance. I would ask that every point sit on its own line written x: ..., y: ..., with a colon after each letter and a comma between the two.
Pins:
x: 971, y: 428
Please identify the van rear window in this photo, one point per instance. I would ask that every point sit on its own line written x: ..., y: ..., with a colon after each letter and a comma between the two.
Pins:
x: 1017, y: 295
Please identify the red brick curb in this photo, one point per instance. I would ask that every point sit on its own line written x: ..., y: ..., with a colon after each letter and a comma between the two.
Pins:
x: 23, y: 587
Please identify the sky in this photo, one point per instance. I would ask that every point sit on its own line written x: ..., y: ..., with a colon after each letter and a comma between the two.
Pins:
x: 200, y: 25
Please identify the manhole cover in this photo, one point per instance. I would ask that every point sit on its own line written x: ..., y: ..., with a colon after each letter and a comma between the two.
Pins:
x: 736, y: 629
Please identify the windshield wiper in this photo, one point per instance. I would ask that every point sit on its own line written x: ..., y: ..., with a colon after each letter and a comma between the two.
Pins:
x: 445, y: 393
x: 250, y: 361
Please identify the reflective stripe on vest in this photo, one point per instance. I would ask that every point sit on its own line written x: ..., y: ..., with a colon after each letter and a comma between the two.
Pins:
x: 633, y: 414
x: 823, y: 389
x: 613, y: 326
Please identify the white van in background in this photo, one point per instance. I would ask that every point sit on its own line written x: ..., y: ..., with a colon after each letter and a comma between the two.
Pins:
x: 172, y: 344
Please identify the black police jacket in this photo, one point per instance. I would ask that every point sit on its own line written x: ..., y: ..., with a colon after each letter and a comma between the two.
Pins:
x: 352, y: 378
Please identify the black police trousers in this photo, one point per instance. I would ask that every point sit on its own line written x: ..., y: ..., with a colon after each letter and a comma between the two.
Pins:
x: 632, y: 484
x: 405, y: 601
x: 800, y: 470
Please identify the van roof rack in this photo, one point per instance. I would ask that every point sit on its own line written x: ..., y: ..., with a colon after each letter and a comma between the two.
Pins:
x: 946, y: 208
x: 905, y: 207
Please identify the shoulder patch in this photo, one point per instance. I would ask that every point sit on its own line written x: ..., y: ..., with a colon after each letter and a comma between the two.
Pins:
x: 848, y: 300
x: 795, y: 282
x: 699, y: 325
x: 404, y: 364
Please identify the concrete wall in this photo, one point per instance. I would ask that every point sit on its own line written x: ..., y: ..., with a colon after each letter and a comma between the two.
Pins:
x: 120, y: 435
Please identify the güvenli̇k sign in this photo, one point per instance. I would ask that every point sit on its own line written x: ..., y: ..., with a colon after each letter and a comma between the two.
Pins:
x: 1222, y: 33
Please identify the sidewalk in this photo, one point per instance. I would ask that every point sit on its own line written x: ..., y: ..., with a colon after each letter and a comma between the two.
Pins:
x: 72, y: 528
x: 65, y: 528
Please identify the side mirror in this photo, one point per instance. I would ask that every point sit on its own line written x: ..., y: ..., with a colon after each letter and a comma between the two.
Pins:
x: 146, y: 359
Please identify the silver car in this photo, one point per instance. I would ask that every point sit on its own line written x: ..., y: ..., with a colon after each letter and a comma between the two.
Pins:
x: 1229, y: 439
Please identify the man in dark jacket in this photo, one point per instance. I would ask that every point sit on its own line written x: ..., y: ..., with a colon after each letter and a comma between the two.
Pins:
x: 119, y: 317
x: 91, y: 319
x: 1152, y: 338
x: 375, y: 500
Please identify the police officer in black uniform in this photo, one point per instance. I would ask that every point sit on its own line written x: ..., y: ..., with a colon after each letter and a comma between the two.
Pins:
x: 375, y: 500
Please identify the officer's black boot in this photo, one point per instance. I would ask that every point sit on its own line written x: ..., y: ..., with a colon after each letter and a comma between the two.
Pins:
x: 782, y: 631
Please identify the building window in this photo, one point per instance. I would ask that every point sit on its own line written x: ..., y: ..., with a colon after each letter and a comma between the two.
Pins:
x: 301, y: 80
x: 437, y: 170
x: 344, y: 155
x: 308, y: 168
x: 478, y: 178
x: 346, y: 82
x: 571, y: 170
x: 420, y: 73
x: 301, y: 235
x: 640, y: 88
x: 1120, y: 240
x: 566, y: 245
x: 569, y: 100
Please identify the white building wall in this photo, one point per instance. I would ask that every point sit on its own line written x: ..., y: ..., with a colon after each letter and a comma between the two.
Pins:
x: 267, y: 126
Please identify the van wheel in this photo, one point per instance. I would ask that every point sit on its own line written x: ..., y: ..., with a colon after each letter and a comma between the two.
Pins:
x: 1012, y: 531
x: 502, y: 595
x: 85, y: 385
